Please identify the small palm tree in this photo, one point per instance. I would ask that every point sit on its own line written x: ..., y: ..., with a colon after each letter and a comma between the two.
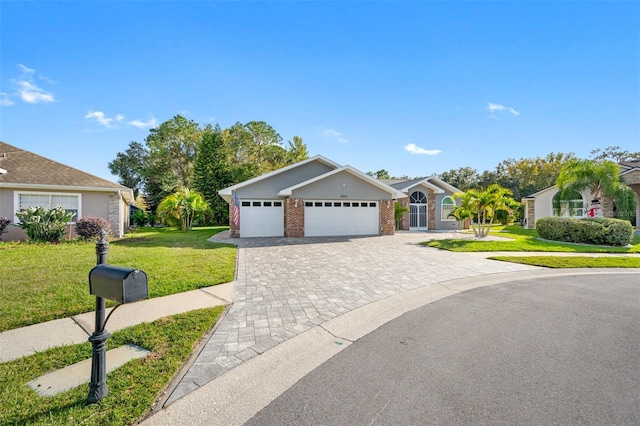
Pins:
x: 180, y: 208
x: 482, y: 206
x: 601, y: 178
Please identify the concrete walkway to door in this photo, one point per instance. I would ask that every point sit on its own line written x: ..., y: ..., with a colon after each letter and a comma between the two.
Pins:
x: 285, y: 286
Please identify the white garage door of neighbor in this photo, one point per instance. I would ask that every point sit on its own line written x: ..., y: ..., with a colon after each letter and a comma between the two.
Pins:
x: 328, y: 218
x: 261, y: 218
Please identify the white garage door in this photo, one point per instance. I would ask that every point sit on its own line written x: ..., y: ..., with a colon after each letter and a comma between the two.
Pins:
x: 261, y: 218
x: 323, y: 217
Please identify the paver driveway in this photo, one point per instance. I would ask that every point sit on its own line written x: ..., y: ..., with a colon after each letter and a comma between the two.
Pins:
x: 286, y: 286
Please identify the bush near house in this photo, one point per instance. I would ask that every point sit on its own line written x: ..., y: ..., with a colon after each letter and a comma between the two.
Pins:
x: 601, y: 231
x: 4, y: 222
x: 44, y: 225
x: 89, y: 227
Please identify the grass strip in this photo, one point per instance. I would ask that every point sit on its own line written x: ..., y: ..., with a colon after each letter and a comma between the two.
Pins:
x: 132, y: 388
x: 521, y: 239
x: 41, y: 282
x: 573, y: 261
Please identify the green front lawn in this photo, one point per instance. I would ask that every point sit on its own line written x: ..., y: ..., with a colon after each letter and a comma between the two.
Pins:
x: 41, y: 282
x: 132, y: 388
x: 573, y: 261
x: 525, y: 240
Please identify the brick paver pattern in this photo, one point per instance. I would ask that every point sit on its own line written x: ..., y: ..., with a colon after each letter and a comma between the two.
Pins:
x: 285, y: 286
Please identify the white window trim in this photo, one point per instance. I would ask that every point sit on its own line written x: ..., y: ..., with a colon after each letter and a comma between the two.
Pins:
x: 16, y: 202
x: 444, y: 217
x: 565, y: 205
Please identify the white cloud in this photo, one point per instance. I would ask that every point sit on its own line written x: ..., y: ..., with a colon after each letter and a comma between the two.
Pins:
x: 5, y: 99
x: 26, y: 70
x: 416, y: 150
x: 152, y: 122
x: 27, y: 90
x: 32, y: 94
x: 336, y: 135
x: 103, y: 119
x: 491, y: 107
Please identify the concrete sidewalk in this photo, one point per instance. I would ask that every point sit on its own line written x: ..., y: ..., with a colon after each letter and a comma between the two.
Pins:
x: 26, y: 341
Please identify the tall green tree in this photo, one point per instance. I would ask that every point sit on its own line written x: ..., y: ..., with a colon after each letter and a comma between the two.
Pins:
x: 212, y: 173
x: 614, y: 153
x: 297, y: 150
x: 172, y: 151
x: 130, y: 166
x: 181, y: 208
x: 463, y: 178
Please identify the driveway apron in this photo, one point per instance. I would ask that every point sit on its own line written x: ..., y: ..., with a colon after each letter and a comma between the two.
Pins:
x: 285, y: 286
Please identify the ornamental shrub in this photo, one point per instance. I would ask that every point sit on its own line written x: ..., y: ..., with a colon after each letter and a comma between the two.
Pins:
x: 89, y: 227
x: 44, y: 225
x: 602, y: 231
x: 4, y: 222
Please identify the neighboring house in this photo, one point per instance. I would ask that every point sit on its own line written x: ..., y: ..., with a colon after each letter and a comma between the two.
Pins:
x: 317, y: 197
x: 30, y: 180
x: 541, y: 204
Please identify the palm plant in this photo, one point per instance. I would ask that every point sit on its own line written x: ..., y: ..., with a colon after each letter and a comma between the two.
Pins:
x: 482, y: 206
x: 601, y: 178
x: 181, y: 208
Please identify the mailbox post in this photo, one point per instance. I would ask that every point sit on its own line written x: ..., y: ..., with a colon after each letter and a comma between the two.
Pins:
x: 122, y: 285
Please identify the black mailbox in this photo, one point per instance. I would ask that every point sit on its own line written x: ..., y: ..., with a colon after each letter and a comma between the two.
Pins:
x: 119, y: 284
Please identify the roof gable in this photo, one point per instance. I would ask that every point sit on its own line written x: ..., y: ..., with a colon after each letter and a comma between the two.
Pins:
x: 21, y: 168
x: 227, y: 192
x: 348, y: 169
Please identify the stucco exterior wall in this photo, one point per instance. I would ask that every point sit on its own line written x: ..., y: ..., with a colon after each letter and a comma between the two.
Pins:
x: 341, y: 186
x: 268, y: 188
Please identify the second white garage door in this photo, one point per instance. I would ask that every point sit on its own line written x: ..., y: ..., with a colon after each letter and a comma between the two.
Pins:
x: 328, y: 218
x: 260, y: 218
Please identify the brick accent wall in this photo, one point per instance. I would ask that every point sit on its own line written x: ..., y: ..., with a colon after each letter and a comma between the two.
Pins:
x: 294, y: 218
x: 404, y: 221
x: 531, y: 215
x: 387, y: 225
x: 431, y: 206
x: 606, y: 204
x: 234, y: 230
x: 114, y: 215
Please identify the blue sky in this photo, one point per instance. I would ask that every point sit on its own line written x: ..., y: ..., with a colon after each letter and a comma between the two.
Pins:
x: 416, y: 88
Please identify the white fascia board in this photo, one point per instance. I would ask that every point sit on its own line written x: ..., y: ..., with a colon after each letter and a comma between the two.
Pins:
x: 37, y: 186
x: 630, y: 169
x: 443, y: 184
x: 355, y: 172
x: 532, y: 196
x: 227, y: 192
x: 424, y: 182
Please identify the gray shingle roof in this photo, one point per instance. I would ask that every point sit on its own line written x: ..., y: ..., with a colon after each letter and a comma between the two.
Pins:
x: 25, y: 167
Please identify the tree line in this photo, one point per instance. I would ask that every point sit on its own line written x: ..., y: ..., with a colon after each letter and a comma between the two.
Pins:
x: 180, y: 155
x: 527, y: 176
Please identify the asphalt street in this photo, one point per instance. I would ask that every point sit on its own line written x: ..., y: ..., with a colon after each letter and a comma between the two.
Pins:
x: 554, y: 350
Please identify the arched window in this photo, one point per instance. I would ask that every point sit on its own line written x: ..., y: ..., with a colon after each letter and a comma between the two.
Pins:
x: 418, y: 197
x: 572, y: 205
x: 446, y: 208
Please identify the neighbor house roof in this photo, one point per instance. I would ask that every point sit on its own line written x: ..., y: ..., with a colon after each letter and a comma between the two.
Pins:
x: 24, y: 169
x: 227, y: 192
x: 431, y: 182
x: 357, y: 173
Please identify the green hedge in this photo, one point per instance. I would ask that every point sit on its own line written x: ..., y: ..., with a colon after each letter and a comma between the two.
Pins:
x: 599, y: 230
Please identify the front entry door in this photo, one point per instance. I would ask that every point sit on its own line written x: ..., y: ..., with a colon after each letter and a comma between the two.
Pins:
x: 417, y: 217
